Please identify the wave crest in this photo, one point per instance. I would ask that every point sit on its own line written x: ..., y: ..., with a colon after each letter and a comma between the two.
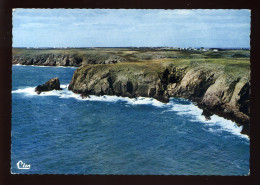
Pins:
x: 180, y: 106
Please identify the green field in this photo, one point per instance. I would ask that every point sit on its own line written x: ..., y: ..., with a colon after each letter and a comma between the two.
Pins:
x: 135, y: 54
x: 234, y: 62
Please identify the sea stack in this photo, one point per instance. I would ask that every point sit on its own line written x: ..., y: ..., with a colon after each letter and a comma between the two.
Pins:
x: 52, y: 84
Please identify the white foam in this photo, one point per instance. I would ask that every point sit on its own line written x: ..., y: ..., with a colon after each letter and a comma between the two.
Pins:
x: 145, y: 101
x: 65, y: 93
x: 29, y: 91
x: 131, y: 101
x: 64, y: 86
x: 103, y: 98
x: 182, y: 109
x: 227, y: 125
x: 53, y: 66
x: 45, y: 66
x: 215, y: 124
x: 39, y: 66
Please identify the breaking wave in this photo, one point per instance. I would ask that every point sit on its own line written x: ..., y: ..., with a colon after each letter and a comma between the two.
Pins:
x: 182, y: 107
x: 219, y: 123
x: 45, y: 66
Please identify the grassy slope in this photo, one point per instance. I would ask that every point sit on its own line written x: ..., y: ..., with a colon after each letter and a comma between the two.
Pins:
x: 236, y: 63
x: 134, y: 54
x: 233, y: 64
x: 232, y: 67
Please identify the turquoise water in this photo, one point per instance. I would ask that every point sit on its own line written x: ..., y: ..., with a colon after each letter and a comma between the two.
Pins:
x: 57, y: 132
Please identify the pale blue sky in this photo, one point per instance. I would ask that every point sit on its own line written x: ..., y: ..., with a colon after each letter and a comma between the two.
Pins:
x: 123, y: 28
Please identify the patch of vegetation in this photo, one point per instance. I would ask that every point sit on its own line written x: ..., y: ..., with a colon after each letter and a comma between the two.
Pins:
x: 233, y: 62
x: 135, y: 54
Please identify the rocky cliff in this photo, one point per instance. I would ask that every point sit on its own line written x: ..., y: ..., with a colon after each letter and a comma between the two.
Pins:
x: 48, y: 60
x: 63, y: 60
x: 52, y: 84
x: 81, y: 56
x: 215, y: 88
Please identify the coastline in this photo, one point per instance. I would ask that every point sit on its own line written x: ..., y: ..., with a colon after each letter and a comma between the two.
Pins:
x: 217, y: 83
x: 208, y: 87
x: 45, y: 66
x: 190, y: 109
x: 205, y: 110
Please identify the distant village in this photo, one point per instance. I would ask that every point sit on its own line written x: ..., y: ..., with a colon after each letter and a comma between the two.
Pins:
x: 155, y: 48
x: 201, y: 49
x: 192, y: 49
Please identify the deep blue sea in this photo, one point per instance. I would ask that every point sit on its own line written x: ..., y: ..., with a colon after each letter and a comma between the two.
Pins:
x: 58, y: 132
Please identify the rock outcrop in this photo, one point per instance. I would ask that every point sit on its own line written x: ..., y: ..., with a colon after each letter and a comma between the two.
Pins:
x: 48, y: 60
x: 64, y: 60
x: 210, y: 87
x: 52, y: 84
x: 81, y: 56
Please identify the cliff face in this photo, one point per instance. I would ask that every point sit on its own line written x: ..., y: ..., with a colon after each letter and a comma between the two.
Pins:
x: 48, y: 60
x: 210, y: 87
x: 63, y: 60
x: 80, y: 56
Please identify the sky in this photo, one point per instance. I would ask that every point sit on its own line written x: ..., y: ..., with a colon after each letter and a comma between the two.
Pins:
x: 131, y: 28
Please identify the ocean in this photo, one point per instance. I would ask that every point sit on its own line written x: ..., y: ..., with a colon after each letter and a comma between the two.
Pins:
x: 58, y: 132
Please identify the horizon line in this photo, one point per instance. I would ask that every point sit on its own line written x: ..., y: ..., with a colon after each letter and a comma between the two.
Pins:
x: 173, y: 47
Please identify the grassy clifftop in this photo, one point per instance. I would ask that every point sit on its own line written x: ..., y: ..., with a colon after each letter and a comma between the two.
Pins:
x: 218, y: 81
x: 83, y: 56
x: 219, y: 86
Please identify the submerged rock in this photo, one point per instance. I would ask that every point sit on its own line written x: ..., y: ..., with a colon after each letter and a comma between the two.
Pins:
x: 52, y: 84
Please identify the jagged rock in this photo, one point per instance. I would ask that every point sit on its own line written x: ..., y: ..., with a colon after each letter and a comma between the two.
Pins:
x: 52, y: 84
x: 207, y: 114
x: 213, y: 90
x: 49, y: 60
x: 64, y: 60
x: 90, y: 80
